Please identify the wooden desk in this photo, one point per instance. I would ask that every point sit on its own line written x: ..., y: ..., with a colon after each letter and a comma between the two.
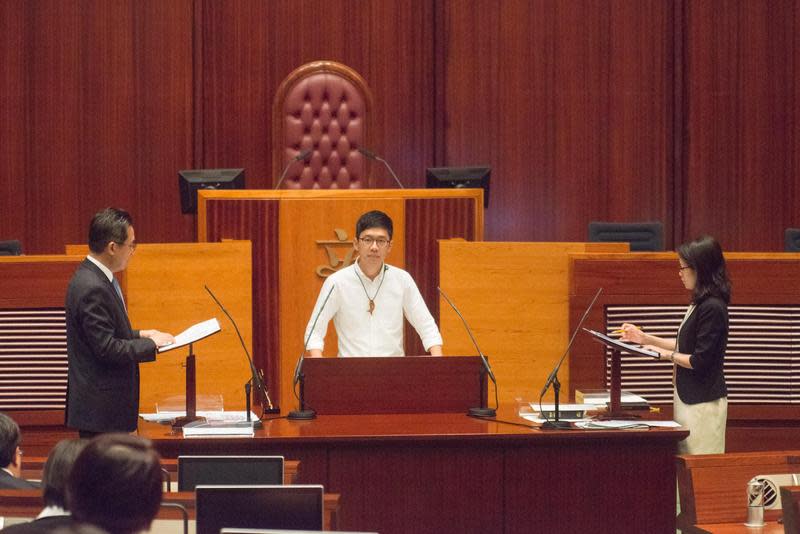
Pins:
x: 712, y: 488
x: 407, y: 384
x: 401, y: 473
x: 770, y: 527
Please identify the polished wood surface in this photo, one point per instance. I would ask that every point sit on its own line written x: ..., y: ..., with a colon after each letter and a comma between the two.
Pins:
x: 453, y: 473
x: 652, y: 278
x: 298, y: 234
x: 164, y: 290
x: 713, y: 487
x: 411, y: 384
x: 770, y: 527
x: 515, y: 298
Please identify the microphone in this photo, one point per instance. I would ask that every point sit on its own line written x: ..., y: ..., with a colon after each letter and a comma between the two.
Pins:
x: 257, y: 378
x: 371, y: 155
x: 302, y: 413
x: 302, y: 156
x: 553, y: 377
x: 480, y: 412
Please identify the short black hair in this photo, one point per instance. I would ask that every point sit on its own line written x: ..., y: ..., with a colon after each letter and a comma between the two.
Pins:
x: 57, y: 468
x: 704, y: 256
x: 10, y: 438
x: 116, y: 484
x: 110, y: 224
x: 374, y: 219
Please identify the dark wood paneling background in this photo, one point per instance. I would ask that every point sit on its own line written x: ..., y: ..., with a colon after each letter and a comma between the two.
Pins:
x: 686, y: 112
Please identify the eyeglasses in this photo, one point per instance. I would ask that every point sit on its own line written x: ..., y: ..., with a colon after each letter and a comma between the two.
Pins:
x: 682, y: 267
x: 368, y: 241
x: 132, y: 245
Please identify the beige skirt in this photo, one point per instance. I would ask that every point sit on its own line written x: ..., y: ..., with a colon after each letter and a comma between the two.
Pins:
x: 706, y: 423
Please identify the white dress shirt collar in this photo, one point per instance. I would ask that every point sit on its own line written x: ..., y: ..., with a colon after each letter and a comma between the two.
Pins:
x: 106, y: 270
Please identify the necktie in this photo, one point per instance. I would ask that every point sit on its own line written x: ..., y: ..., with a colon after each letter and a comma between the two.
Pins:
x: 115, y: 283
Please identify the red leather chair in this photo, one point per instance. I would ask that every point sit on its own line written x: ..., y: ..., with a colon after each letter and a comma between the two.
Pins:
x: 322, y: 107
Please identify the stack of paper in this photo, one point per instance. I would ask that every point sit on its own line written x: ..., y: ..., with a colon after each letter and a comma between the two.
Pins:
x: 206, y: 428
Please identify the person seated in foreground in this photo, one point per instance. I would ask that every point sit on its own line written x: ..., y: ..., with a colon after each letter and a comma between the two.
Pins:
x: 11, y: 456
x: 115, y: 484
x: 54, y: 480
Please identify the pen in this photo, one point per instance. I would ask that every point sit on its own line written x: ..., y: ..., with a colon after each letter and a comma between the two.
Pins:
x: 621, y: 330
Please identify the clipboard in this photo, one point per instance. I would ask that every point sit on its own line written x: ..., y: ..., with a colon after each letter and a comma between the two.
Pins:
x: 622, y: 346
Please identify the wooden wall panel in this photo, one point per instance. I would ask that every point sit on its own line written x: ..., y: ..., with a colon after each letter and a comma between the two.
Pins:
x: 249, y: 47
x: 571, y: 104
x: 12, y: 121
x: 99, y: 114
x: 742, y: 178
x: 681, y: 111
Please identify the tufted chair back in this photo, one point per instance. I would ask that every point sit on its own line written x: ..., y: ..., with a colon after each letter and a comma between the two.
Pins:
x: 321, y: 107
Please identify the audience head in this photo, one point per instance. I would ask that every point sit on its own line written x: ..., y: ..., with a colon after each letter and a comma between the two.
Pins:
x: 374, y: 219
x: 115, y: 484
x: 108, y: 226
x: 57, y: 469
x: 10, y: 438
x: 704, y: 257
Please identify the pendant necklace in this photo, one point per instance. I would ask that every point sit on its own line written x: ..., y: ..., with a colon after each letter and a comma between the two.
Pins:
x: 372, y: 299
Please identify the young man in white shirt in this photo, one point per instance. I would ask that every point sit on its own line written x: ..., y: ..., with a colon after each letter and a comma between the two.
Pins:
x: 368, y: 300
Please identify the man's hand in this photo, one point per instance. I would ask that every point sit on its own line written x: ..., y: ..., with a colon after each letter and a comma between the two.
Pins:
x: 315, y: 353
x: 436, y: 350
x: 160, y: 338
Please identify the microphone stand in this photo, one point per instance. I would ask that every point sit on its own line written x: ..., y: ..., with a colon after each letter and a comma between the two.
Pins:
x: 557, y: 424
x: 482, y: 411
x: 300, y: 157
x: 256, y: 378
x: 371, y: 155
x: 303, y: 414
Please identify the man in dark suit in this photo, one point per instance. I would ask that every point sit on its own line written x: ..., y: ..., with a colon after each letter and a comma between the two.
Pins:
x: 103, y: 350
x: 11, y: 456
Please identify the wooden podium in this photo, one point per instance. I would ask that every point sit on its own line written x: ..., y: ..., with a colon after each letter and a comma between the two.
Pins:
x: 301, y: 236
x: 410, y: 384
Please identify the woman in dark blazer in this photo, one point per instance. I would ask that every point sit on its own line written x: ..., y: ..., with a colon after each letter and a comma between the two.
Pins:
x: 698, y: 353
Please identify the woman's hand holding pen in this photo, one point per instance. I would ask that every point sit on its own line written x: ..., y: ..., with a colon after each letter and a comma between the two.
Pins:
x: 631, y: 333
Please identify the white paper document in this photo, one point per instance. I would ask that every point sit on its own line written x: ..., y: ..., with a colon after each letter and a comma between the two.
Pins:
x: 193, y: 334
x: 234, y: 416
x: 625, y: 424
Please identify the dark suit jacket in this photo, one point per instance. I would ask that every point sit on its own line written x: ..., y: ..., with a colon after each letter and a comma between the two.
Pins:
x: 704, y: 336
x: 103, y: 353
x: 44, y: 525
x: 8, y: 481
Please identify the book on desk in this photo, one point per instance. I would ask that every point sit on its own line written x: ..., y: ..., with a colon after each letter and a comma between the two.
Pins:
x: 601, y: 397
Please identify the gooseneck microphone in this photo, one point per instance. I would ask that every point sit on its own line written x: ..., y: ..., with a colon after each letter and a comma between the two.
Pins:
x: 302, y: 413
x: 371, y: 155
x: 553, y: 377
x: 481, y: 411
x: 302, y: 156
x: 257, y: 377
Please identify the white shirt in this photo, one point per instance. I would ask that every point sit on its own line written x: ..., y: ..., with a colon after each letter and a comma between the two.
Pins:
x: 379, y: 333
x: 106, y: 270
